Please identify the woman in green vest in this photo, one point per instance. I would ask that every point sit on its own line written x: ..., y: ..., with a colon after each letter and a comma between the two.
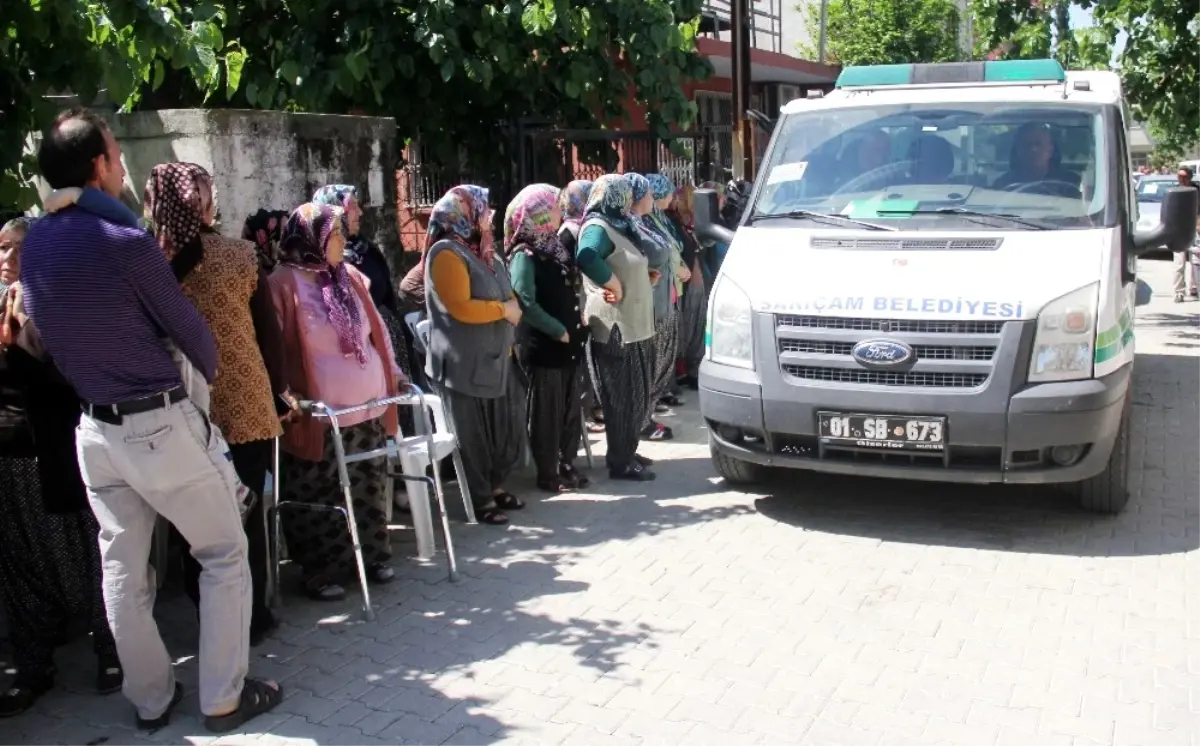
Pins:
x: 615, y: 260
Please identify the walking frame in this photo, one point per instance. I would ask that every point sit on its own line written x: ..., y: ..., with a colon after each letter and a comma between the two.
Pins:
x: 412, y: 396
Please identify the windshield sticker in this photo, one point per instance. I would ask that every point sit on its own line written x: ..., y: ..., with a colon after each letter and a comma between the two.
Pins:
x: 871, y: 208
x: 787, y: 172
x: 934, y: 306
x: 1150, y: 188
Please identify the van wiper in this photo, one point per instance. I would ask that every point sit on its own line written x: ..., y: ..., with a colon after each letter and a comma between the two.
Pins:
x: 966, y: 212
x: 827, y: 217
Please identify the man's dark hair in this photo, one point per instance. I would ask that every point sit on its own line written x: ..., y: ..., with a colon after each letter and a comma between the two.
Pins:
x: 70, y: 146
x: 1187, y: 170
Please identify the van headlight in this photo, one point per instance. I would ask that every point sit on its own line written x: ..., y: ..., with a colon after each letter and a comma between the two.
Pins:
x: 1064, y: 345
x: 730, y: 334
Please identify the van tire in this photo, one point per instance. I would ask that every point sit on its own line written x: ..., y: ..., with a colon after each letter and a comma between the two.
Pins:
x: 1108, y: 491
x: 733, y: 470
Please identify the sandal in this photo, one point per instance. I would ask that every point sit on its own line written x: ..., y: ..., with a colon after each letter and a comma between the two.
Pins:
x: 508, y: 501
x: 380, y: 574
x: 573, y: 476
x: 598, y: 415
x: 557, y: 485
x: 258, y: 697
x: 657, y: 432
x: 25, y: 691
x: 634, y: 472
x: 109, y: 674
x: 164, y: 719
x: 320, y: 590
x: 595, y: 427
x: 492, y: 516
x: 661, y: 408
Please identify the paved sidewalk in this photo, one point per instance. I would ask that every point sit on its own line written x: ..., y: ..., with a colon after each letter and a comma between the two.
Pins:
x: 820, y: 611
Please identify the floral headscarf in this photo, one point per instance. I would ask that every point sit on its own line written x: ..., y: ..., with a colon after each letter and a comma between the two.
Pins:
x: 527, y: 222
x: 611, y: 200
x: 339, y: 195
x: 265, y: 229
x: 572, y: 201
x: 647, y: 230
x: 681, y: 207
x: 179, y: 203
x: 463, y: 213
x: 304, y: 240
x: 661, y: 187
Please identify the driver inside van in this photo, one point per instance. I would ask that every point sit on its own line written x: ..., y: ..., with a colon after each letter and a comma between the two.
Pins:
x: 1034, y: 165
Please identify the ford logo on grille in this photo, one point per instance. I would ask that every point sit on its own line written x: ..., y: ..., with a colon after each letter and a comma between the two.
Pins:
x: 882, y: 353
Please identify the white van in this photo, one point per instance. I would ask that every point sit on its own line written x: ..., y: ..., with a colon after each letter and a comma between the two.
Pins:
x: 934, y: 278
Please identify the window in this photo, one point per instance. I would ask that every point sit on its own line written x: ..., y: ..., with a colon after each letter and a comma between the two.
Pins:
x: 1044, y: 164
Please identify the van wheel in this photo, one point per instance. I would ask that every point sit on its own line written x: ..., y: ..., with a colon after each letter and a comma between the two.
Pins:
x: 733, y: 470
x: 1108, y: 491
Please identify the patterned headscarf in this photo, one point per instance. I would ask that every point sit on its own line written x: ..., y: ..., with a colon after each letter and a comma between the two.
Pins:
x: 682, y: 207
x: 528, y: 222
x: 305, y: 238
x: 265, y: 229
x: 462, y: 213
x: 572, y: 201
x: 179, y: 202
x: 661, y: 187
x: 611, y: 200
x: 640, y: 187
x: 339, y: 195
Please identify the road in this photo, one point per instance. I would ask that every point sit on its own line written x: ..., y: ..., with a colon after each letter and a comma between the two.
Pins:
x: 819, y: 611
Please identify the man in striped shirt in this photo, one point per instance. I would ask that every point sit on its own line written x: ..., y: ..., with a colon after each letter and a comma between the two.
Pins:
x: 104, y: 299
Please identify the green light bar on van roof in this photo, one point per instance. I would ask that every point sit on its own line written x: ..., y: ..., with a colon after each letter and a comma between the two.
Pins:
x: 1008, y: 71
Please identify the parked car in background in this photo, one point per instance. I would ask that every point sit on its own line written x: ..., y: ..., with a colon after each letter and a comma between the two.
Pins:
x: 1150, y: 191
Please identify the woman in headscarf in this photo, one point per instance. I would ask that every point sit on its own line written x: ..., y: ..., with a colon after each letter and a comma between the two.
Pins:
x: 615, y: 257
x: 546, y: 281
x: 693, y: 307
x: 666, y: 386
x: 338, y: 351
x: 713, y: 255
x: 651, y: 235
x: 49, y: 553
x: 264, y: 228
x: 368, y: 259
x: 224, y: 279
x: 473, y: 313
x: 572, y: 202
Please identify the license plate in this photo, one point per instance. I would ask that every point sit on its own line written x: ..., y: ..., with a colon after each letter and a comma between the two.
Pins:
x: 884, y: 432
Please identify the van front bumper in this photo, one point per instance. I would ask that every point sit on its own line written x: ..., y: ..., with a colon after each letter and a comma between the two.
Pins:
x: 1005, y: 437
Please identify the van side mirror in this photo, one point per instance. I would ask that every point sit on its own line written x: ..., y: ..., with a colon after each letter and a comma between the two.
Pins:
x: 1177, y: 222
x: 708, y: 219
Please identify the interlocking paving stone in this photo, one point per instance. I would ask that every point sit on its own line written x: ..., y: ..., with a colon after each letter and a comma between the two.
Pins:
x: 815, y: 610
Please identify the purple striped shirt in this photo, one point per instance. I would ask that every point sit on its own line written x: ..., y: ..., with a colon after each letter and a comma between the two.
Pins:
x: 103, y: 298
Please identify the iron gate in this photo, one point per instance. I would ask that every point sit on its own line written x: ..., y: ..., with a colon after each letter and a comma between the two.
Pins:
x: 555, y: 156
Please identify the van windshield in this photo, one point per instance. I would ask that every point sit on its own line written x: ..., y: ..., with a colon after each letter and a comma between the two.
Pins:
x: 957, y: 166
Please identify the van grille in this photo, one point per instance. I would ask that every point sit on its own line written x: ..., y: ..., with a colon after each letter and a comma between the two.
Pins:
x: 947, y: 354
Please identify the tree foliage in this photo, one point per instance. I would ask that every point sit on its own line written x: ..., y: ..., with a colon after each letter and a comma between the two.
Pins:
x: 880, y: 32
x: 455, y: 72
x: 83, y: 47
x: 1158, y: 65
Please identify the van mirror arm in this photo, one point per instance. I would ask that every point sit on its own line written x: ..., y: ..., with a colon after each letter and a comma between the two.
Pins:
x: 707, y: 211
x: 1177, y: 227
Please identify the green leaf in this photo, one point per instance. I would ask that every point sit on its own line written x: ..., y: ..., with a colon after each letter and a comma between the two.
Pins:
x: 572, y: 89
x: 447, y: 70
x: 235, y: 62
x: 357, y: 64
x: 289, y: 72
x: 160, y: 72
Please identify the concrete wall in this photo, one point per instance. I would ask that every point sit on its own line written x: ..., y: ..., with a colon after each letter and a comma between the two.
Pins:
x: 269, y: 159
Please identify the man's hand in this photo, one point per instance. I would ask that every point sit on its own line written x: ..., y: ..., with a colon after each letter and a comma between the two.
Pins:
x: 655, y: 276
x: 565, y: 338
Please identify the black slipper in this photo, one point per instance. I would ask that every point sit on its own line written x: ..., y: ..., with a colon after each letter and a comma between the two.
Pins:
x: 109, y: 674
x: 258, y: 697
x: 508, y: 501
x: 164, y: 719
x: 634, y: 472
x: 25, y: 691
x: 671, y: 401
x: 574, y: 477
x: 492, y: 516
